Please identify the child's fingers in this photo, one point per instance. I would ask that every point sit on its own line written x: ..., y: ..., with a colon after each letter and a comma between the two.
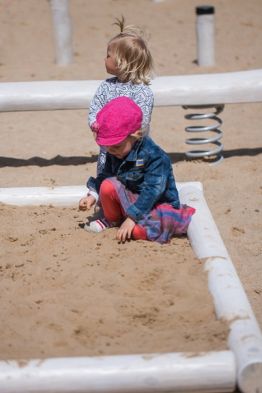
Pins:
x: 125, y: 231
x: 119, y: 234
x: 123, y: 234
x: 83, y: 204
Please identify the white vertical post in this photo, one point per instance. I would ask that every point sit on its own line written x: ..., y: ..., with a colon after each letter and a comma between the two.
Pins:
x: 62, y: 31
x: 205, y: 35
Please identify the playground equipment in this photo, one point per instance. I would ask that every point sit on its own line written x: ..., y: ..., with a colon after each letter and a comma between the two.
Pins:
x: 187, y: 90
x: 214, y: 128
x: 204, y: 89
x: 62, y: 31
x: 177, y: 372
x: 205, y: 35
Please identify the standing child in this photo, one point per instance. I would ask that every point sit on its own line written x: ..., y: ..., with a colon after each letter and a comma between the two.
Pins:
x: 129, y: 59
x: 136, y: 188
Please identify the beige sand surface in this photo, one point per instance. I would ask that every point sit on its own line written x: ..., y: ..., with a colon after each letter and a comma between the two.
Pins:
x: 64, y: 291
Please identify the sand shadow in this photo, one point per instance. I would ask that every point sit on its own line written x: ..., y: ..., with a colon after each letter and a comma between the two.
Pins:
x: 83, y: 160
x: 176, y: 157
x: 44, y: 162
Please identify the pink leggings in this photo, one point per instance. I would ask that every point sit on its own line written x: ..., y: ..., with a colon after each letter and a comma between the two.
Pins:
x: 113, y: 210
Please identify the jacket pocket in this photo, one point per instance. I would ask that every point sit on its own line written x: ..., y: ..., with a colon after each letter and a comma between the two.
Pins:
x: 133, y: 179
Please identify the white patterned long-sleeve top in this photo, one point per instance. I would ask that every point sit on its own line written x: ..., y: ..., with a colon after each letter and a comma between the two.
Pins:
x: 112, y: 88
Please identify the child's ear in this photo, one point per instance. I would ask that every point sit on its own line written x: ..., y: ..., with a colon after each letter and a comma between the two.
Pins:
x: 138, y: 134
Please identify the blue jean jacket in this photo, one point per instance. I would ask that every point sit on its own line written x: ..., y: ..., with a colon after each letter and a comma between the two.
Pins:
x: 146, y: 171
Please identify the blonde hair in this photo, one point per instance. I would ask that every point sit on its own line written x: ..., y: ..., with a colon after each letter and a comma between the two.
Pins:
x: 133, y: 58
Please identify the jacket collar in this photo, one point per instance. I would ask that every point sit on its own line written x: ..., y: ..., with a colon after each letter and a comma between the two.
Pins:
x: 132, y: 156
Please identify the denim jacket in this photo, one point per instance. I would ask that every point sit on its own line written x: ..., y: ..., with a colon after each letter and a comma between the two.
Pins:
x: 146, y: 171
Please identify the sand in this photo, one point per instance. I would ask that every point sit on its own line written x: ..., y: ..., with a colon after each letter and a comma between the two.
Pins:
x: 75, y: 293
x: 65, y: 292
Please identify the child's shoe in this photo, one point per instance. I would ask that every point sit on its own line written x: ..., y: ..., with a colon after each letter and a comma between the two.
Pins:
x: 98, y: 225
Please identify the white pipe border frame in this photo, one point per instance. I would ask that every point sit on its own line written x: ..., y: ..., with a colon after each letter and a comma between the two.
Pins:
x: 201, y: 89
x: 177, y: 372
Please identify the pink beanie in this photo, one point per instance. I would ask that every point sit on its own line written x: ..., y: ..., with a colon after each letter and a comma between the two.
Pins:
x: 119, y: 118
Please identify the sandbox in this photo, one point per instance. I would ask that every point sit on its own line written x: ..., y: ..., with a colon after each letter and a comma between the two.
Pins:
x: 217, y: 370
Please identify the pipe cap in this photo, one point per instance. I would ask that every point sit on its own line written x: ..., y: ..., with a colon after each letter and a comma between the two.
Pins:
x: 205, y: 10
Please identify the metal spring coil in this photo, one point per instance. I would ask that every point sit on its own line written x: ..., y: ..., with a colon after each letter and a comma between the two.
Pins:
x: 210, y: 128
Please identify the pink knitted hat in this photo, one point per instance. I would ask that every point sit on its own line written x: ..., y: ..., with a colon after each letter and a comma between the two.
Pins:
x: 119, y: 118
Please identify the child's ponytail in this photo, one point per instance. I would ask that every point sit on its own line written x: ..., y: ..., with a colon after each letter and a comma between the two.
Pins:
x: 132, y: 56
x: 129, y: 30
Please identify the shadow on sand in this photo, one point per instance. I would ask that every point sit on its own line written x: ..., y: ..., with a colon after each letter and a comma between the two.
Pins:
x: 82, y: 160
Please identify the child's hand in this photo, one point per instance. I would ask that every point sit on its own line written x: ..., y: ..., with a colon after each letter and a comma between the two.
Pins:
x: 95, y: 129
x: 125, y: 231
x: 87, y: 202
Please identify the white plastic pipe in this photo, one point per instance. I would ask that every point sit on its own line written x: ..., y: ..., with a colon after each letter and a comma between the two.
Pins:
x: 62, y: 31
x: 205, y: 33
x: 35, y: 196
x: 231, y: 87
x: 168, y: 372
x: 231, y: 302
x: 57, y: 196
